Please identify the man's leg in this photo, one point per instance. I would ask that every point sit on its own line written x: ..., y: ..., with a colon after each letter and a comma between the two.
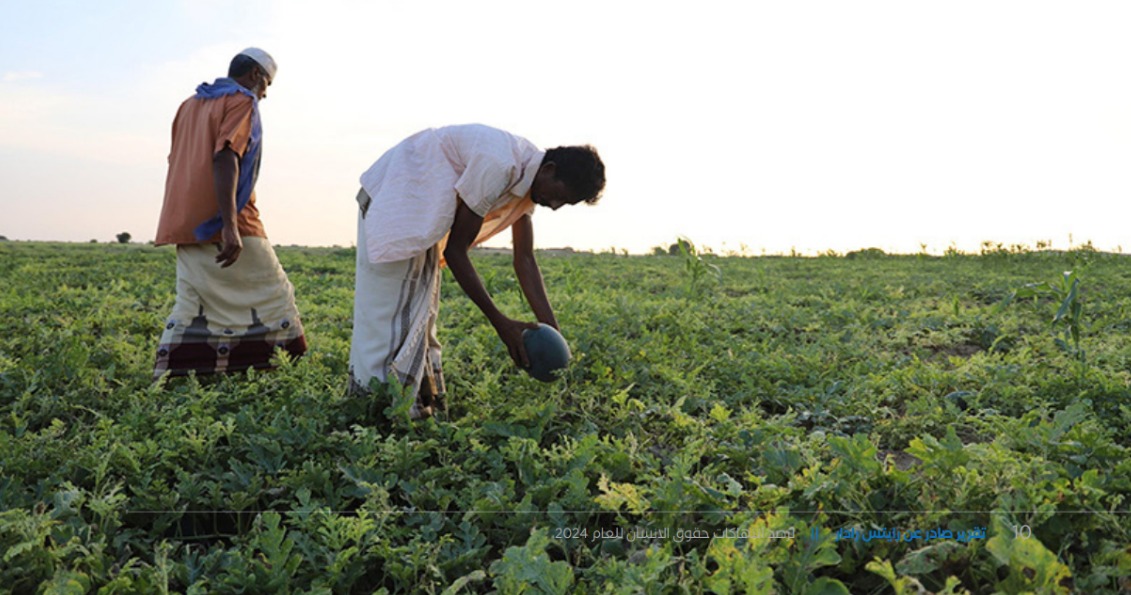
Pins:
x: 432, y: 389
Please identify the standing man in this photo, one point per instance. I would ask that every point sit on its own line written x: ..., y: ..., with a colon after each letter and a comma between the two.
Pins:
x: 234, y: 304
x: 424, y: 204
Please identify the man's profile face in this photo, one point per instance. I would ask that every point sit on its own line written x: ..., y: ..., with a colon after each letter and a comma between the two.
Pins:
x: 263, y: 81
x: 548, y: 191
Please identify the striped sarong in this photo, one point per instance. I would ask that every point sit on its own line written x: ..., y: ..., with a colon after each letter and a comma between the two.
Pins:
x: 229, y: 319
x: 395, y: 309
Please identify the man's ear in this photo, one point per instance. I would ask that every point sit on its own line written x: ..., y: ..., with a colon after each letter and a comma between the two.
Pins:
x: 550, y: 168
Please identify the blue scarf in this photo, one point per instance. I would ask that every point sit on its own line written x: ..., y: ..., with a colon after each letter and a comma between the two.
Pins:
x: 249, y: 165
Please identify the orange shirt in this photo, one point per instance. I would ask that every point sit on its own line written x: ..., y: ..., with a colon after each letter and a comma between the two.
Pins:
x: 203, y: 128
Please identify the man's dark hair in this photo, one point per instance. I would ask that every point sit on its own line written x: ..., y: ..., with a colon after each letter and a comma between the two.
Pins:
x: 581, y: 169
x: 241, y: 65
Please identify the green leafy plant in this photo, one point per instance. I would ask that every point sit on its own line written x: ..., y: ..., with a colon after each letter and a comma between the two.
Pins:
x: 802, y: 396
x: 1069, y: 316
x: 702, y: 276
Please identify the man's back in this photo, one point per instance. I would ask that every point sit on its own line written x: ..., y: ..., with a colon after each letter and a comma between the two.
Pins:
x: 413, y: 187
x: 202, y: 128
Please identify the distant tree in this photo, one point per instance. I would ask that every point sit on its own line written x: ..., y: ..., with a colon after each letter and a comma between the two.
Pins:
x: 866, y: 253
x: 658, y: 251
x: 3, y: 239
x: 93, y: 241
x: 124, y: 237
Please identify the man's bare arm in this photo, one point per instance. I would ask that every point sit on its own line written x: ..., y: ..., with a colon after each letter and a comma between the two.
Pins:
x: 528, y: 273
x: 464, y: 229
x: 225, y: 173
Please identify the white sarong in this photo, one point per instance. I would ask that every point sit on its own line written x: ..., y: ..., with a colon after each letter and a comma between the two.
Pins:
x: 395, y: 308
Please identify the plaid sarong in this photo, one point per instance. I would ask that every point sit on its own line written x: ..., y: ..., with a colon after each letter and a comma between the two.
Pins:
x: 228, y: 320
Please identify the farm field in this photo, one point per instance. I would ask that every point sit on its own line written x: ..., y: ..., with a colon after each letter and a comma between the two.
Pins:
x: 873, y: 424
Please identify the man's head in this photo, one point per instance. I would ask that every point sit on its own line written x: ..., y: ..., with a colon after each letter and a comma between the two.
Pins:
x: 567, y: 176
x: 255, y: 69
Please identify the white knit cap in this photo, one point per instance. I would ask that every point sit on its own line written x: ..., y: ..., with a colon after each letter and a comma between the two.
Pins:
x: 263, y: 59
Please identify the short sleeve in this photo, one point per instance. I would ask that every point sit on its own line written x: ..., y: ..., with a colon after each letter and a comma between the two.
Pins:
x: 235, y: 124
x: 485, y: 180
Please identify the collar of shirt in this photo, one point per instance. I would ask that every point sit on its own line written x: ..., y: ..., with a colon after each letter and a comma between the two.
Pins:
x: 522, y: 187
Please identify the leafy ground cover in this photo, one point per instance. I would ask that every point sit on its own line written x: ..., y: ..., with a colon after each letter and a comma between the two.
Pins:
x: 858, y: 424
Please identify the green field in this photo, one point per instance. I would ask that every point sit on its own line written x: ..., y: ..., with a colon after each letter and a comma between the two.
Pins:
x: 790, y: 425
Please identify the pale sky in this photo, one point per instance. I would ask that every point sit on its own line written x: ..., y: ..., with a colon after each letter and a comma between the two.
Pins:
x: 774, y: 126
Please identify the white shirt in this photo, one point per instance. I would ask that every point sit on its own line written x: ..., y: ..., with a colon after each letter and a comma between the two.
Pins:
x: 414, y: 186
